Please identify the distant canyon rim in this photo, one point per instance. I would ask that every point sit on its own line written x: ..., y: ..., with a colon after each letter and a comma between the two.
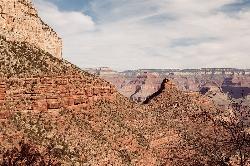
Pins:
x: 228, y: 83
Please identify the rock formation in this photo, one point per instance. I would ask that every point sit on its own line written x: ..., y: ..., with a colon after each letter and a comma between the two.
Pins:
x: 139, y: 84
x: 30, y: 74
x: 19, y: 21
x: 190, y: 130
x: 136, y: 87
x: 215, y: 93
x: 54, y: 105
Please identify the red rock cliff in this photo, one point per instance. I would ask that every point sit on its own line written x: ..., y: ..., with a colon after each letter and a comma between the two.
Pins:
x: 52, y: 93
x: 44, y: 82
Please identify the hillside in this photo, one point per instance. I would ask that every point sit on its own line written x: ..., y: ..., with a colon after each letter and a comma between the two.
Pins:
x: 190, y: 130
x: 20, y: 59
x: 50, y: 103
x: 84, y: 120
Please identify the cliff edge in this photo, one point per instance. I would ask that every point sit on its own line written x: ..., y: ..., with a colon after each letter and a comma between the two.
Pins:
x: 19, y: 21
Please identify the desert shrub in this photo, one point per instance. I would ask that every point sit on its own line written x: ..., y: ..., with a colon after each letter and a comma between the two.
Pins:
x: 28, y: 154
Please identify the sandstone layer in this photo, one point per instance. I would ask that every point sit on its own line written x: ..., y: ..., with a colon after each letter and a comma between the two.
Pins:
x: 34, y: 80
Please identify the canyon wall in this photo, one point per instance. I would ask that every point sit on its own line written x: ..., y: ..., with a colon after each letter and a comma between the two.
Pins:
x: 139, y: 84
x: 52, y: 93
x: 32, y: 79
x: 19, y: 22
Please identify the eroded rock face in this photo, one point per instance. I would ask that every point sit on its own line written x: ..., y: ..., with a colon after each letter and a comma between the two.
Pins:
x: 31, y: 79
x: 53, y: 93
x: 19, y: 21
x: 138, y: 85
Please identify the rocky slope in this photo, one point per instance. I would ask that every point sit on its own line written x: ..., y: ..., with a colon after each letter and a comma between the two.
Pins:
x: 28, y: 73
x: 107, y: 128
x: 19, y: 21
x: 35, y: 84
x: 61, y: 112
x: 191, y: 130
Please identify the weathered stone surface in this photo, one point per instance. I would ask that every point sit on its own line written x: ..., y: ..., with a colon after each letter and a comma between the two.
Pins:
x: 19, y: 21
x: 31, y: 79
x: 49, y: 93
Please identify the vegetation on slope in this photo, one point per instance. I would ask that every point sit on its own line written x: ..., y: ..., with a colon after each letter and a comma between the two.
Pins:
x: 21, y: 59
x: 173, y: 128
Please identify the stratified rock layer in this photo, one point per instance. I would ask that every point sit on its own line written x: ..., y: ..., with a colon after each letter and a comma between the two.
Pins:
x: 32, y: 79
x: 19, y: 21
x: 139, y: 84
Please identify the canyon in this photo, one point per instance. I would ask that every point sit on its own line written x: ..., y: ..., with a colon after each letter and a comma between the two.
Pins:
x: 220, y: 84
x: 54, y: 113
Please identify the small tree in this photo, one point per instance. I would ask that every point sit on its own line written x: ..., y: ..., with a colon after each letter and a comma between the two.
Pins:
x: 237, y: 124
x: 27, y: 154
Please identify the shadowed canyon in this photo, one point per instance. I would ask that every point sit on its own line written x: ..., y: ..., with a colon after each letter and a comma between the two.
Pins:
x: 139, y: 84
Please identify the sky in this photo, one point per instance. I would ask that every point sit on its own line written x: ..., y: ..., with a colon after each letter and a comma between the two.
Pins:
x: 135, y: 34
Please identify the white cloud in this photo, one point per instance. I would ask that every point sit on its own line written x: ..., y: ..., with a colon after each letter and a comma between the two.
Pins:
x: 142, y: 34
x: 65, y: 23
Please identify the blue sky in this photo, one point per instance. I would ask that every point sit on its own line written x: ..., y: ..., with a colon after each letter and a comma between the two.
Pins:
x: 240, y: 5
x: 132, y: 34
x: 68, y: 5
